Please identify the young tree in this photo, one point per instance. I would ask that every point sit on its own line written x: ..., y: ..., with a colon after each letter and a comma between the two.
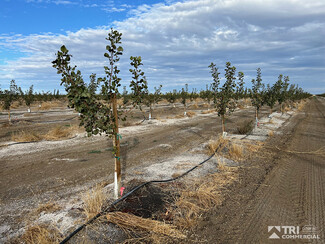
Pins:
x: 125, y: 96
x: 93, y: 84
x: 207, y: 95
x: 270, y: 97
x: 171, y: 97
x: 281, y: 90
x: 96, y: 116
x: 184, y: 96
x: 224, y: 99
x: 138, y: 85
x: 9, y: 96
x: 216, y: 82
x: 240, y: 86
x: 29, y: 97
x: 256, y: 95
x: 153, y: 98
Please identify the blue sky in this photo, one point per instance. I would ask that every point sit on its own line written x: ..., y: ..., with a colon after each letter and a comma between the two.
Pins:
x: 176, y: 39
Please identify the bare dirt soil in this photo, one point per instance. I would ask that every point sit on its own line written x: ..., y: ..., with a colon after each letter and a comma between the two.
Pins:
x: 48, y: 171
x: 282, y: 187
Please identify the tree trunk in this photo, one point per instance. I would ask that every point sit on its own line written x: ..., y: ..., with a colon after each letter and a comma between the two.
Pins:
x: 116, y: 144
x: 9, y: 117
x: 150, y: 112
x: 256, y: 118
x: 223, y: 124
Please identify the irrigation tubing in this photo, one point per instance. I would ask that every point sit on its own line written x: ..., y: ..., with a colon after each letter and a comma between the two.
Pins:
x: 130, y: 193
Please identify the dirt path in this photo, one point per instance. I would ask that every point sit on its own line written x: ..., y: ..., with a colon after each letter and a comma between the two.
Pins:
x: 285, y: 189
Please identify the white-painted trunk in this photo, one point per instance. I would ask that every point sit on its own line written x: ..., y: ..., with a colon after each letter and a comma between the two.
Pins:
x: 116, y: 186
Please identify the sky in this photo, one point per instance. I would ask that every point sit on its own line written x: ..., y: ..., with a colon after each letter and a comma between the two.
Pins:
x: 177, y: 40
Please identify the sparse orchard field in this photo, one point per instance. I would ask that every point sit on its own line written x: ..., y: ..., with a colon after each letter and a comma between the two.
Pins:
x: 61, y: 168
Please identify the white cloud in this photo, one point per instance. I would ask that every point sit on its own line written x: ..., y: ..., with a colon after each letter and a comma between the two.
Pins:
x: 177, y: 42
x: 64, y: 2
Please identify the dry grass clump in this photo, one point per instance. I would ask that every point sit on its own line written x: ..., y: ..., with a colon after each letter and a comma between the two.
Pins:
x: 190, y: 114
x: 200, y: 197
x: 61, y: 132
x: 245, y: 127
x: 236, y: 151
x: 93, y: 201
x: 132, y: 222
x: 270, y: 121
x: 57, y: 133
x: 195, y: 201
x: 23, y: 136
x: 240, y: 106
x: 49, y: 105
x: 208, y: 111
x: 287, y: 108
x: 41, y: 234
x: 247, y: 102
x: 251, y: 149
x: 49, y: 207
x: 194, y: 106
x: 301, y: 105
x: 14, y: 105
x: 179, y: 116
x: 226, y: 148
x: 219, y: 144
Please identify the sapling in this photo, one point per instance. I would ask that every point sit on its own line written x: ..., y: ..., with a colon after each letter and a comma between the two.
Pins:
x: 216, y: 82
x: 184, y: 96
x: 97, y: 116
x: 240, y: 86
x: 207, y: 95
x: 256, y: 94
x: 9, y: 96
x: 270, y: 97
x: 224, y: 95
x: 29, y: 97
x: 153, y: 98
x: 171, y: 97
x: 138, y: 84
x: 281, y: 90
x: 93, y: 84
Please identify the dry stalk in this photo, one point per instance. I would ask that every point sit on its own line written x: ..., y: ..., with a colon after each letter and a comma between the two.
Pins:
x: 49, y: 105
x: 49, y: 207
x: 41, y: 234
x: 129, y: 221
x: 208, y: 111
x: 190, y: 114
x: 23, y: 136
x: 93, y: 201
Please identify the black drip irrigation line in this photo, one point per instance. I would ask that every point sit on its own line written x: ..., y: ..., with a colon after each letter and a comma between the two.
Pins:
x: 144, y: 119
x: 130, y: 193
